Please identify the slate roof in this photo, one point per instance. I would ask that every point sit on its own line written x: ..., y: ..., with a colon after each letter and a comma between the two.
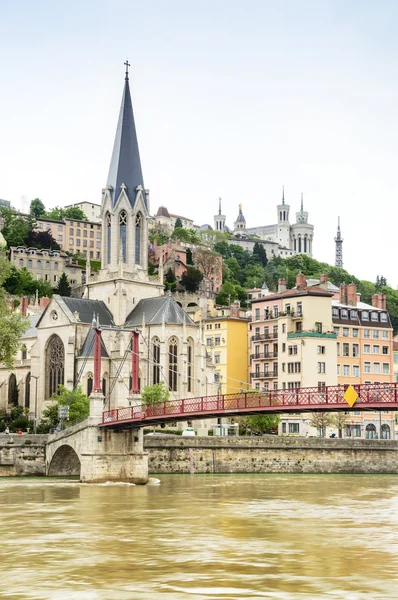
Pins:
x: 125, y: 164
x: 87, y: 308
x: 162, y: 212
x: 32, y: 331
x: 87, y: 350
x: 154, y: 310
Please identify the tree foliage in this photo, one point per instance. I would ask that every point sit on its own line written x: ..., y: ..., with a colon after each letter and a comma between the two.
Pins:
x: 262, y: 423
x: 41, y: 239
x: 12, y: 324
x: 321, y: 420
x: 20, y: 282
x: 37, y: 208
x: 63, y: 288
x: 178, y: 223
x: 59, y: 213
x: 207, y: 261
x: 157, y: 392
x: 170, y: 281
x: 185, y: 235
x: 191, y: 279
x: 79, y: 407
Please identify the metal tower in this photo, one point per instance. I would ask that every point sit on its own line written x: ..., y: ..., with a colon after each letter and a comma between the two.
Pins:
x: 339, y: 247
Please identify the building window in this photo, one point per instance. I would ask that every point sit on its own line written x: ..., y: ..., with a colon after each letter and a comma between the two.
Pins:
x: 299, y: 309
x: 355, y: 332
x: 84, y: 243
x: 354, y: 314
x: 89, y: 384
x: 346, y: 331
x: 321, y: 386
x: 138, y: 224
x: 24, y: 352
x: 173, y: 367
x: 108, y: 222
x: 355, y: 350
x: 217, y: 378
x: 374, y: 316
x: 217, y: 341
x: 60, y: 227
x: 294, y: 427
x: 318, y: 327
x: 366, y: 368
x: 366, y: 333
x: 335, y: 312
x: 336, y: 330
x: 385, y: 335
x: 385, y: 350
x: 123, y: 233
x: 346, y: 349
x: 344, y: 313
x: 346, y: 370
x: 355, y: 371
x: 365, y: 315
x: 257, y: 314
x: 383, y: 317
x: 376, y: 368
x: 21, y: 263
x: 375, y: 334
x: 55, y: 365
x: 386, y: 369
x: 321, y: 349
x: 321, y: 367
x: 38, y: 264
x: 338, y: 369
x: 217, y: 359
x: 376, y: 349
x: 156, y: 360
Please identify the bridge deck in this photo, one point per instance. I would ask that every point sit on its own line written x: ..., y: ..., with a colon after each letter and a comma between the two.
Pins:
x: 370, y: 397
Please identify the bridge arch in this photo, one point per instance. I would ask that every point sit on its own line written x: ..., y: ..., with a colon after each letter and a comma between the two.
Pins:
x: 65, y: 462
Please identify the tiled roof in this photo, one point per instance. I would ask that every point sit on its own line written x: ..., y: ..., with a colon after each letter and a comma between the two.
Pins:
x: 153, y: 311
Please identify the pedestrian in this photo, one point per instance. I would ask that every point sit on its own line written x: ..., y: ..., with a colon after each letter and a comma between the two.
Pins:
x: 19, y: 432
x: 7, y: 430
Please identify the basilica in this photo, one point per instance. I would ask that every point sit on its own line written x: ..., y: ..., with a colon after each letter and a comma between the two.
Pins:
x: 58, y: 347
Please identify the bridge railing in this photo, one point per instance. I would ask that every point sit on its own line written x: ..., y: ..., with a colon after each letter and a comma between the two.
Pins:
x: 301, y: 398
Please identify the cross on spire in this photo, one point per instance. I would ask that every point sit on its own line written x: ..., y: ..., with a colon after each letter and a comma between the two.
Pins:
x: 127, y: 65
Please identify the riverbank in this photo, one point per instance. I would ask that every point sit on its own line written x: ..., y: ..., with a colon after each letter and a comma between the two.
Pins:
x: 270, y: 454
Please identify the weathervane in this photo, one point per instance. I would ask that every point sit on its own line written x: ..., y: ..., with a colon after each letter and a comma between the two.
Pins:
x: 127, y: 65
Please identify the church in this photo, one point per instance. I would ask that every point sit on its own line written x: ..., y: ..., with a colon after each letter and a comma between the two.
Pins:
x: 58, y: 347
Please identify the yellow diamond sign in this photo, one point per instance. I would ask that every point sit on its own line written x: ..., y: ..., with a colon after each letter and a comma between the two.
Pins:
x: 350, y: 396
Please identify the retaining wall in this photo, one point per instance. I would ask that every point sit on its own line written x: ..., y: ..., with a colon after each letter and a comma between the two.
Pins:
x: 22, y: 455
x: 270, y: 454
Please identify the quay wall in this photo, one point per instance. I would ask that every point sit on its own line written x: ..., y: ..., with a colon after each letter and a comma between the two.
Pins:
x: 270, y: 454
x: 22, y: 455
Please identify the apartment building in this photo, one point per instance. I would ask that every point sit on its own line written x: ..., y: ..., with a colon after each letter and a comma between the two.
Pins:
x: 90, y: 209
x: 293, y: 343
x: 227, y: 343
x: 74, y: 236
x: 365, y: 355
x: 47, y: 265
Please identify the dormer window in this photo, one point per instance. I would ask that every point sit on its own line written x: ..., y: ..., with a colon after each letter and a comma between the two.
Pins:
x: 354, y: 314
x: 335, y: 312
x: 365, y: 315
x: 344, y: 313
x: 375, y: 316
x: 383, y: 317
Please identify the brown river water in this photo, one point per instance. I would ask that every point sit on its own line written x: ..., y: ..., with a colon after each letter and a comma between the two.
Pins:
x: 283, y: 537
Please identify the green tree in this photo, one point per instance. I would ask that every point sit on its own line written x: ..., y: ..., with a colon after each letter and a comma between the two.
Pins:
x: 16, y: 231
x: 189, y: 256
x: 57, y: 213
x: 191, y: 279
x: 170, y: 280
x: 42, y: 239
x: 263, y: 423
x: 37, y: 208
x: 79, y: 407
x: 321, y: 420
x: 260, y: 254
x: 75, y: 212
x: 185, y: 235
x: 339, y: 420
x: 159, y: 233
x: 63, y: 288
x: 178, y: 223
x: 12, y: 324
x: 157, y: 392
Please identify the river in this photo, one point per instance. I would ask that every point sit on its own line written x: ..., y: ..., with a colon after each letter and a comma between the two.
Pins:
x: 284, y: 537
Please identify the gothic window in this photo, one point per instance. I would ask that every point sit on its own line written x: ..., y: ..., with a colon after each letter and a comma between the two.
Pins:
x: 89, y: 384
x: 156, y: 360
x: 138, y: 225
x: 27, y: 390
x: 24, y: 352
x: 55, y: 365
x: 12, y: 390
x: 173, y: 366
x: 108, y: 223
x: 123, y: 233
x: 190, y: 371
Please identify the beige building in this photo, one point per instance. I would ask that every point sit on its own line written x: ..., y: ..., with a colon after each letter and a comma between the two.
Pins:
x: 74, y: 236
x: 163, y: 217
x: 47, y: 265
x: 90, y: 209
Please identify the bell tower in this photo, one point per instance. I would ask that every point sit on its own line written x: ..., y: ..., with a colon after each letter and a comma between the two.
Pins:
x: 219, y: 220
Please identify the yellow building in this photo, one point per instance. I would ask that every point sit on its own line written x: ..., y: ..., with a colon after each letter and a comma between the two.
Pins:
x: 227, y: 343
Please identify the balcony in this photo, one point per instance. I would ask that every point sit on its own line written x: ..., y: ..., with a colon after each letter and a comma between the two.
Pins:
x: 264, y: 375
x: 312, y: 334
x: 265, y: 355
x: 260, y: 337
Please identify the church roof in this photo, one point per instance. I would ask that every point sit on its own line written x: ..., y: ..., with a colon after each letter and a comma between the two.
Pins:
x: 87, y: 308
x: 153, y: 311
x: 87, y: 350
x: 240, y: 218
x: 125, y: 167
x: 32, y: 331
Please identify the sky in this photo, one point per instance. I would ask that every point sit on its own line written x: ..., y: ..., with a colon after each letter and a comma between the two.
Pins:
x: 232, y: 99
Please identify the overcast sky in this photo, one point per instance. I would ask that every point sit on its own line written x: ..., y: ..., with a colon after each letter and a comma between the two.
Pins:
x: 231, y: 98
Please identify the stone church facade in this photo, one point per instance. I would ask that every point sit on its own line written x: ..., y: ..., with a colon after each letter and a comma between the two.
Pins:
x: 58, y: 348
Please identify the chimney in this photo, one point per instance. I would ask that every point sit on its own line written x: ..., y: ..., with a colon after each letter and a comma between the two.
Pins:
x: 351, y: 294
x: 323, y: 282
x: 379, y: 301
x: 44, y: 301
x: 24, y: 305
x: 234, y: 309
x: 282, y: 285
x: 343, y: 294
x: 301, y: 281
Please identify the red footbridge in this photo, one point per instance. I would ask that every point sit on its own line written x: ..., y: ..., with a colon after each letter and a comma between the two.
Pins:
x: 330, y: 399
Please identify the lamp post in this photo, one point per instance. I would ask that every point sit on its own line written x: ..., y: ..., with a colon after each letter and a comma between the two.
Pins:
x: 35, y: 419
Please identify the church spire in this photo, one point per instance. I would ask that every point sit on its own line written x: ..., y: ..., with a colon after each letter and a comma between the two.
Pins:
x: 302, y: 203
x: 219, y: 206
x: 283, y: 195
x: 125, y: 168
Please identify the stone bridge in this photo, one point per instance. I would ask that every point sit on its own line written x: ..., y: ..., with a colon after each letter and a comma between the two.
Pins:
x: 95, y: 455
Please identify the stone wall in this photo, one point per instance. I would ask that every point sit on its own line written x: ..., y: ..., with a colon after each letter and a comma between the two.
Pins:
x: 270, y: 454
x: 22, y: 455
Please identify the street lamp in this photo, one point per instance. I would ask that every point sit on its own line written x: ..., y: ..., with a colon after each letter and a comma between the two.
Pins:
x: 35, y: 419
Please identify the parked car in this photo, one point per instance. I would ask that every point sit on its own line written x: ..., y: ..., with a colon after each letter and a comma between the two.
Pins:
x: 188, y: 432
